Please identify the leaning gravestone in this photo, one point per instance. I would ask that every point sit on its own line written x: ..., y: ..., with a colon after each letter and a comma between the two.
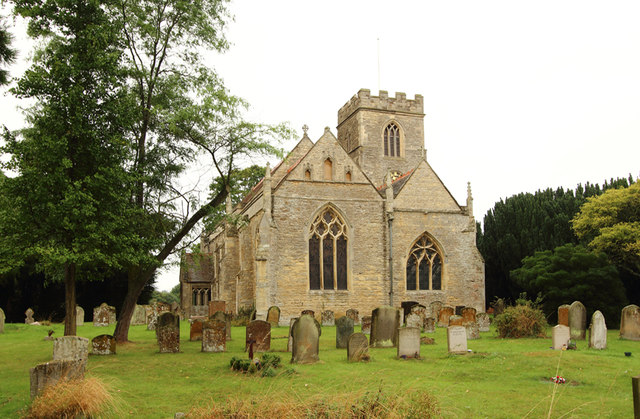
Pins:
x: 365, y: 325
x: 214, y: 336
x: 430, y: 325
x: 385, y: 321
x: 598, y: 331
x: 223, y: 317
x: 578, y: 320
x: 195, y: 330
x: 168, y: 333
x: 29, y: 316
x: 328, y: 318
x: 2, y: 318
x: 484, y: 323
x: 344, y: 329
x: 560, y: 336
x: 258, y: 333
x: 563, y: 314
x: 52, y: 372
x: 358, y: 348
x: 79, y: 316
x: 473, y: 331
x: 306, y: 338
x: 353, y: 314
x: 273, y: 315
x: 630, y: 323
x: 443, y: 316
x: 290, y: 342
x: 215, y: 306
x: 469, y: 315
x: 414, y: 320
x: 456, y: 320
x: 104, y: 315
x: 435, y: 307
x: 103, y: 345
x: 457, y: 339
x: 139, y: 316
x: 73, y: 348
x: 409, y: 342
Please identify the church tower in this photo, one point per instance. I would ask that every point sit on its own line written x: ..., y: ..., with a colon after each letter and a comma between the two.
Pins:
x: 383, y: 133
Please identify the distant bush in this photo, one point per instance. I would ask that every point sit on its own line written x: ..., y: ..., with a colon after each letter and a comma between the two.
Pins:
x: 523, y: 320
x: 267, y: 365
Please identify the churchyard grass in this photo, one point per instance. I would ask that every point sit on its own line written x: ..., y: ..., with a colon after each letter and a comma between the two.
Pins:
x: 500, y: 378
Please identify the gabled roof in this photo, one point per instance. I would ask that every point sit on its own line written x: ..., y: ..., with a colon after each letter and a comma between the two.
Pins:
x: 413, y: 176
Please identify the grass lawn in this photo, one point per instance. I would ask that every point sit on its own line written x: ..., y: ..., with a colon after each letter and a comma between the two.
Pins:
x: 500, y: 378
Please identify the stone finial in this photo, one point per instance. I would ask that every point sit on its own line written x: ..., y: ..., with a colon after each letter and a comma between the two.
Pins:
x: 327, y: 129
x: 305, y: 128
x: 228, y: 204
x: 267, y: 171
x: 469, y: 200
x: 423, y: 153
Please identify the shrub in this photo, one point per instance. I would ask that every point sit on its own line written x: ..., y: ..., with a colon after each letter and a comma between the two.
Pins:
x: 521, y: 321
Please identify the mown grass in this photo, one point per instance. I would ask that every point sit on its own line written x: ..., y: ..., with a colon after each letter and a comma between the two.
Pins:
x: 501, y: 378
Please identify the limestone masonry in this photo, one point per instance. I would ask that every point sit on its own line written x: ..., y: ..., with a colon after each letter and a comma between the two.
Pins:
x: 329, y: 226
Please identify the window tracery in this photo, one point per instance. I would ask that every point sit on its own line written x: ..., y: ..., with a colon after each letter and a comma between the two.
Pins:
x: 392, y: 140
x: 424, y: 266
x: 328, y: 252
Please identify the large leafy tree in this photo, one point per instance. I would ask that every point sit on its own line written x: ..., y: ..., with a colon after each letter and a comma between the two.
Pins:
x: 7, y: 53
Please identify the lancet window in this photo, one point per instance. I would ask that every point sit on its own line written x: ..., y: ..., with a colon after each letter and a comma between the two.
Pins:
x: 328, y: 252
x: 424, y: 266
x: 392, y: 140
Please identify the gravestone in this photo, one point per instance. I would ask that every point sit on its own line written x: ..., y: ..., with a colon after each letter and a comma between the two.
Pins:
x: 195, y: 329
x: 484, y: 322
x: 630, y: 323
x: 358, y: 348
x: 443, y: 316
x: 407, y: 305
x: 560, y: 336
x: 215, y: 306
x: 421, y: 311
x: 578, y: 320
x: 139, y: 316
x: 306, y: 338
x: 225, y: 318
x: 258, y: 333
x: 214, y: 336
x: 408, y: 342
x: 168, y: 333
x: 344, y: 329
x: 598, y: 331
x: 563, y: 314
x: 469, y: 315
x: 473, y: 331
x: 29, y: 316
x: 430, y: 325
x: 414, y: 320
x: 155, y: 310
x: 103, y: 345
x: 2, y: 319
x: 435, y: 308
x: 290, y: 342
x: 309, y: 312
x: 366, y: 325
x: 273, y: 315
x: 456, y: 320
x: 328, y: 318
x: 79, y: 316
x: 104, y: 315
x: 457, y: 339
x: 353, y: 314
x: 73, y: 348
x: 52, y: 372
x: 385, y: 321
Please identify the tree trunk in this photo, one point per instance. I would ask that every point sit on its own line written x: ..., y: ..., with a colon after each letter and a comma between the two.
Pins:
x: 70, y: 300
x: 134, y: 288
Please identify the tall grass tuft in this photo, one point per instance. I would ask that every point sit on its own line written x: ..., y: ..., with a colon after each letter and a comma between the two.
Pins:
x: 88, y: 397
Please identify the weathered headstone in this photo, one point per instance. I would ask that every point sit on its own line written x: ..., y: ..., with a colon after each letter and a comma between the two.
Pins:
x: 155, y: 311
x: 358, y: 348
x: 630, y: 323
x: 407, y: 305
x: 290, y: 342
x: 273, y: 315
x: 103, y: 345
x: 435, y: 307
x: 385, y: 321
x: 353, y: 314
x: 560, y: 336
x: 421, y: 311
x: 443, y: 317
x: 306, y: 338
x: 457, y: 339
x: 344, y: 329
x: 409, y: 342
x: 414, y: 320
x: 215, y: 306
x: 223, y: 317
x: 214, y: 336
x: 195, y: 329
x: 563, y: 314
x: 2, y: 319
x: 469, y: 315
x: 456, y: 320
x: 258, y: 334
x: 328, y: 318
x: 309, y: 312
x: 52, y: 372
x: 29, y: 316
x: 430, y: 325
x: 168, y: 333
x: 74, y: 348
x: 598, y: 331
x: 473, y: 331
x: 484, y: 322
x: 366, y: 324
x: 139, y: 316
x: 578, y: 320
x: 104, y: 315
x: 79, y: 316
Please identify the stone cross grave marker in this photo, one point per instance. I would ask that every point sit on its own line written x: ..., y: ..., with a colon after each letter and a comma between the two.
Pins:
x: 430, y: 325
x: 50, y: 373
x: 215, y: 306
x: 103, y: 345
x: 457, y: 339
x: 214, y: 336
x: 630, y: 323
x: 328, y: 318
x: 73, y: 348
x: 195, y: 329
x: 443, y: 317
x: 344, y: 329
x: 366, y: 325
x: 563, y: 314
x: 358, y: 348
x: 385, y: 321
x: 306, y: 338
x: 258, y: 334
x: 353, y: 314
x: 223, y: 317
x: 79, y: 316
x: 560, y: 336
x: 484, y: 322
x: 408, y: 342
x: 29, y: 314
x: 578, y: 320
x: 598, y: 331
x: 273, y: 315
x: 168, y: 333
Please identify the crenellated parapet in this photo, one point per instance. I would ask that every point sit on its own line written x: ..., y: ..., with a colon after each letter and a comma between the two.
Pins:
x: 364, y: 100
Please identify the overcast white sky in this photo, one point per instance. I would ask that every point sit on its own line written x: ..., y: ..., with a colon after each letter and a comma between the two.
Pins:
x: 518, y: 96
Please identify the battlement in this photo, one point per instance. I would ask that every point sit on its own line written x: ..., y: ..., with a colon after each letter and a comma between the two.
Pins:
x: 363, y: 99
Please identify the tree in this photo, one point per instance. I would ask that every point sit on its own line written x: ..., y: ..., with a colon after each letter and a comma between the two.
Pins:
x: 569, y: 273
x: 7, y: 54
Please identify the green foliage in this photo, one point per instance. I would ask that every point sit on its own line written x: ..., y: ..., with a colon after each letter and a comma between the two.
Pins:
x: 521, y: 321
x: 267, y: 365
x: 7, y: 53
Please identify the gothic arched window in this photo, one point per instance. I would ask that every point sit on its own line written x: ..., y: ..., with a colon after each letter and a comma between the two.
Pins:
x: 392, y: 140
x: 328, y: 252
x: 424, y: 266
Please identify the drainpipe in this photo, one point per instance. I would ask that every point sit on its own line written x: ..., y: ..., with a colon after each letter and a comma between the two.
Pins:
x: 391, y: 259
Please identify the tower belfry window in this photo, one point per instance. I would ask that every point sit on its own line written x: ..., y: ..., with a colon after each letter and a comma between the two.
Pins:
x: 392, y: 140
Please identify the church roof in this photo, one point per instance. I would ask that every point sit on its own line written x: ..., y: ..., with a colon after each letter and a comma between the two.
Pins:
x: 398, y: 183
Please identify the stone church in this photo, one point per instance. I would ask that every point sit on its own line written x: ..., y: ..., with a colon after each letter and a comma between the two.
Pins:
x: 354, y: 221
